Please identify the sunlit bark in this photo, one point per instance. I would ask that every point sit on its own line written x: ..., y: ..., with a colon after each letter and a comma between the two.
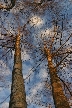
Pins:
x: 18, y: 96
x: 60, y: 100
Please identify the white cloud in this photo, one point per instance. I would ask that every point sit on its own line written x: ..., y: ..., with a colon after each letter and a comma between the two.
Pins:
x: 26, y: 71
x: 37, y: 87
x: 4, y: 68
x: 5, y: 105
x: 33, y: 92
x: 35, y: 20
x: 1, y: 88
x: 43, y: 73
x: 25, y: 56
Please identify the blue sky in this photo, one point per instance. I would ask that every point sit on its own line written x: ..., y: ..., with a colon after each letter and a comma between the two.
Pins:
x: 39, y: 27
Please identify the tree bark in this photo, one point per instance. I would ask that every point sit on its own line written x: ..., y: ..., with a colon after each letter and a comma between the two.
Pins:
x: 60, y: 99
x: 18, y: 96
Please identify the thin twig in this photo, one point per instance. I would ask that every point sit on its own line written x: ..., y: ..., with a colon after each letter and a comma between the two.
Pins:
x: 6, y: 53
x: 61, y: 61
x: 63, y: 44
x: 69, y: 52
x: 5, y: 99
x: 34, y: 69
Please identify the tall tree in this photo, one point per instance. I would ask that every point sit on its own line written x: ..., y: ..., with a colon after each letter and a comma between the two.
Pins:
x: 60, y: 100
x: 18, y: 96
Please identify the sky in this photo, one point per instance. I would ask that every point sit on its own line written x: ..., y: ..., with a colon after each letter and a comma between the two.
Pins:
x: 39, y: 28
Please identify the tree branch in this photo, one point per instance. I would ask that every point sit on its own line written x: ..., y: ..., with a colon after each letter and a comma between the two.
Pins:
x: 69, y: 52
x: 61, y: 61
x: 63, y: 44
x: 66, y: 86
x: 34, y: 69
x: 5, y: 99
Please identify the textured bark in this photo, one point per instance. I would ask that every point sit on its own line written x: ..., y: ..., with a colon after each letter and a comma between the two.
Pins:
x: 18, y: 96
x: 60, y: 100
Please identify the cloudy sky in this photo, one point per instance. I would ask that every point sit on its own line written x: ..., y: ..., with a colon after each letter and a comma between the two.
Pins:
x: 35, y: 70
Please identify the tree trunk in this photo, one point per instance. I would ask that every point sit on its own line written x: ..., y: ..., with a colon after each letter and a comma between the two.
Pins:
x: 60, y: 100
x: 18, y: 96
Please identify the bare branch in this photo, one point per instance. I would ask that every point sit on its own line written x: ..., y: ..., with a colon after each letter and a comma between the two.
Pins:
x: 34, y: 69
x: 5, y: 99
x: 63, y: 43
x: 66, y: 86
x: 6, y: 53
x: 61, y: 61
x: 58, y: 54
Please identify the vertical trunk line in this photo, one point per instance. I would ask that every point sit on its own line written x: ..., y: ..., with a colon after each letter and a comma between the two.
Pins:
x: 60, y: 99
x: 18, y: 96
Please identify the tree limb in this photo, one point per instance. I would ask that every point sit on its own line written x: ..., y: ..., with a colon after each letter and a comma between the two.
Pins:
x: 63, y: 43
x: 69, y: 52
x: 66, y: 86
x: 61, y: 61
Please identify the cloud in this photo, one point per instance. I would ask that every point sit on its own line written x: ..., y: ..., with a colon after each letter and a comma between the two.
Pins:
x: 35, y: 20
x: 1, y: 88
x: 26, y: 70
x: 36, y: 88
x: 5, y: 105
x: 43, y: 73
x: 25, y: 56
x: 4, y: 68
x: 33, y: 92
